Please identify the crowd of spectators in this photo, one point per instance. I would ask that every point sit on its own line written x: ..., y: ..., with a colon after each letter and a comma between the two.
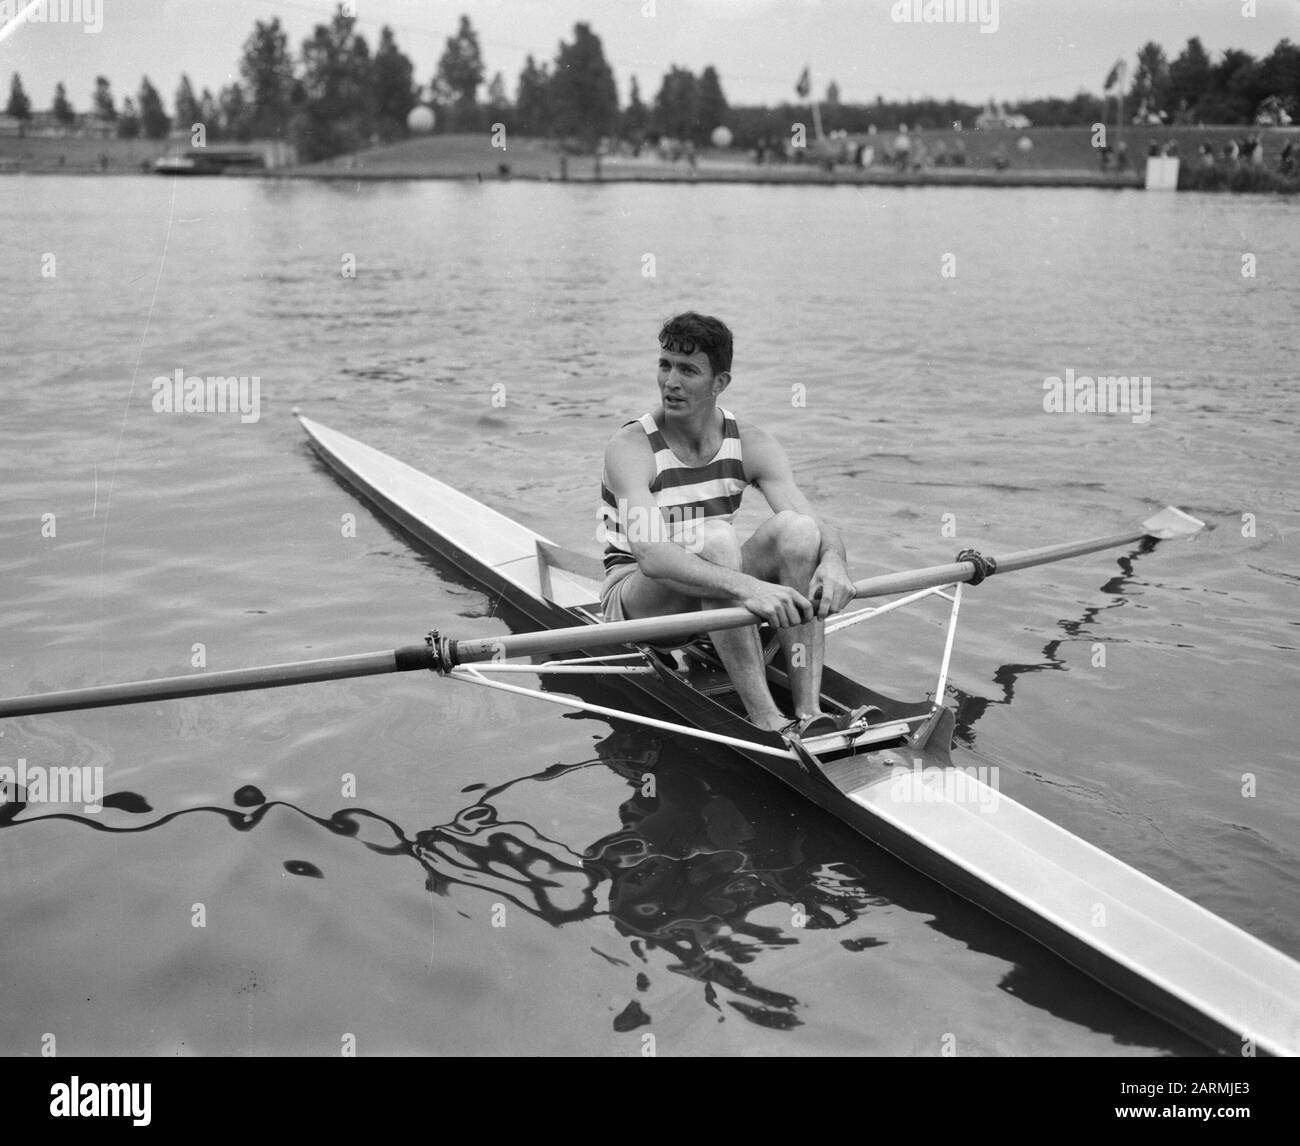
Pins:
x: 908, y: 150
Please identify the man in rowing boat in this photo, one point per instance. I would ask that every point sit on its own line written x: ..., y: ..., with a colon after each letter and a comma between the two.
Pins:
x: 671, y: 486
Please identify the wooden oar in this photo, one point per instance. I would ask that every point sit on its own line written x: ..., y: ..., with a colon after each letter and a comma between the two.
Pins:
x: 445, y: 653
x: 405, y: 659
x: 1169, y: 523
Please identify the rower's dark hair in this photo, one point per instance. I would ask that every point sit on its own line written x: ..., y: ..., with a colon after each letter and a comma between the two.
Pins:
x: 689, y: 332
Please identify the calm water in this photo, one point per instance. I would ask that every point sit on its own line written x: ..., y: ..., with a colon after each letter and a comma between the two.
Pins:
x: 433, y: 870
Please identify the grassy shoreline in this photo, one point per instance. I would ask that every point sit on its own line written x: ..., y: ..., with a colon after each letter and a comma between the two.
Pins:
x: 1053, y: 157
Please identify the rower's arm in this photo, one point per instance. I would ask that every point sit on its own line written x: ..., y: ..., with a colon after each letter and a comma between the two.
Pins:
x: 629, y: 469
x: 767, y: 466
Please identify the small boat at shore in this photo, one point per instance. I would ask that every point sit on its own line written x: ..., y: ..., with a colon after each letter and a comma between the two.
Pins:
x: 890, y: 777
x: 187, y: 165
x: 214, y: 161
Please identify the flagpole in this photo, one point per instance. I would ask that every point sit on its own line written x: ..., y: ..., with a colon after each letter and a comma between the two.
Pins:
x: 1119, y: 102
x: 803, y: 89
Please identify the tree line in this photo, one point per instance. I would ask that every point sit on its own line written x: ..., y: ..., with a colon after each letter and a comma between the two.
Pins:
x: 1193, y: 88
x: 336, y: 95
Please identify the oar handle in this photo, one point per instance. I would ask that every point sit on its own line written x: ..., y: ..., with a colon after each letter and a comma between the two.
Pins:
x: 667, y: 631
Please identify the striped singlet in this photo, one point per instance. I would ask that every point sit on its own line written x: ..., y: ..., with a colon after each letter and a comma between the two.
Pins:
x: 683, y: 493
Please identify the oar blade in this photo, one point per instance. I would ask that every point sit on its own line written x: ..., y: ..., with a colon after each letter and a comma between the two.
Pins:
x: 1172, y: 522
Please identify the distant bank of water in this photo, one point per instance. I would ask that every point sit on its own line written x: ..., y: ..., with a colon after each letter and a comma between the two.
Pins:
x: 1033, y: 157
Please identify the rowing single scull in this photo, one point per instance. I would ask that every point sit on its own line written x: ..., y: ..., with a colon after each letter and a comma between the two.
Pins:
x: 891, y: 779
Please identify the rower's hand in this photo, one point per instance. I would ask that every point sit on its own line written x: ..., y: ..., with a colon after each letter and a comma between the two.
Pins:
x: 831, y: 587
x: 779, y: 605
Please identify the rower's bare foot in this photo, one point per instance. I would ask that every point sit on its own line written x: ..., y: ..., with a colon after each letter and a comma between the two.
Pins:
x: 772, y: 722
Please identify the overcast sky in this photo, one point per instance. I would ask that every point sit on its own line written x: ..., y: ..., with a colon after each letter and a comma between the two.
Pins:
x: 1040, y: 47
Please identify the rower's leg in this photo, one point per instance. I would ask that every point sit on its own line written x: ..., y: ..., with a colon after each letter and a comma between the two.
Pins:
x: 785, y: 549
x: 740, y: 650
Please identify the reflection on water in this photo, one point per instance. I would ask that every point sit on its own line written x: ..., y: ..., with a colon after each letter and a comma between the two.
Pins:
x: 971, y: 708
